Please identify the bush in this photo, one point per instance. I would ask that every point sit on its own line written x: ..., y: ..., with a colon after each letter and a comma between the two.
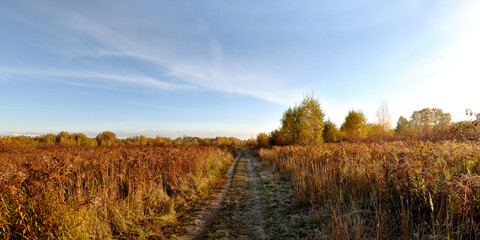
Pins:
x: 330, y: 132
x: 106, y: 138
x: 262, y: 139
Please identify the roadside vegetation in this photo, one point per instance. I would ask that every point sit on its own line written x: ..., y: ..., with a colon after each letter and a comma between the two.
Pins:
x: 386, y: 190
x: 417, y: 180
x: 76, y: 192
x: 108, y: 138
x: 367, y: 180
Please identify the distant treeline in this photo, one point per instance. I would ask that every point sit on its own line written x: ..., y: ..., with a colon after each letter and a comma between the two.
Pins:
x: 108, y: 138
x: 305, y: 125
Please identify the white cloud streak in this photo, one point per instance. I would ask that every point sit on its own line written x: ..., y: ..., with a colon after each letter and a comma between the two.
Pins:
x: 93, y: 86
x: 131, y: 79
x: 210, y: 72
x: 166, y: 107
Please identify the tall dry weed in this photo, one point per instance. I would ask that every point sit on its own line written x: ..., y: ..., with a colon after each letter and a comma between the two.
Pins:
x: 102, y: 192
x: 402, y: 189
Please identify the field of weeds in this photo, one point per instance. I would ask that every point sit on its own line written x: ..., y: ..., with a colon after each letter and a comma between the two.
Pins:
x: 391, y: 190
x: 103, y: 192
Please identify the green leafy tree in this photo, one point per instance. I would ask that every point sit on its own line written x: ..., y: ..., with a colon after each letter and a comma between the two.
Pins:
x: 403, y: 124
x: 330, y: 132
x: 303, y: 124
x: 289, y: 128
x: 355, y: 126
x: 310, y: 122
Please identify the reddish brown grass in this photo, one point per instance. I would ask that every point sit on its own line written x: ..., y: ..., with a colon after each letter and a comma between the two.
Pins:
x: 102, y: 192
x: 387, y: 190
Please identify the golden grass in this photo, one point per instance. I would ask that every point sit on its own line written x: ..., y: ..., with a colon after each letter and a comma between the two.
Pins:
x: 103, y: 192
x: 405, y: 190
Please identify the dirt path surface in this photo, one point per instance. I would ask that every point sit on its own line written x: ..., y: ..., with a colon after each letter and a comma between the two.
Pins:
x: 240, y: 216
x: 204, y: 218
x: 254, y: 168
x: 256, y: 204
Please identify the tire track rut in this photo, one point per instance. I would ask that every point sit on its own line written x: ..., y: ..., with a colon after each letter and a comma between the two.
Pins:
x: 205, y: 217
x: 240, y: 216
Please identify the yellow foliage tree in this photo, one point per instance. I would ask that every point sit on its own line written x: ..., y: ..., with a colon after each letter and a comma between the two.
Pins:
x: 355, y: 126
x: 303, y: 124
x: 262, y: 139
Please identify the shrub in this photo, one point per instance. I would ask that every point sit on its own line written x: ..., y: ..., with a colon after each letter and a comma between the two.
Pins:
x: 262, y: 140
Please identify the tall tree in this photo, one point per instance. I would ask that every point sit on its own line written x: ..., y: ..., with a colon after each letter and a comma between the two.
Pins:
x: 276, y: 138
x: 80, y: 139
x: 288, y: 129
x: 384, y: 118
x: 106, y: 138
x: 423, y: 120
x: 441, y: 119
x: 330, y: 132
x: 403, y: 124
x: 62, y: 137
x: 303, y: 124
x: 355, y: 126
x: 310, y: 121
x: 50, y: 139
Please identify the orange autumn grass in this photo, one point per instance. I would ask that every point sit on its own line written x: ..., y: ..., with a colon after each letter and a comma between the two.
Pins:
x: 406, y: 190
x: 103, y: 192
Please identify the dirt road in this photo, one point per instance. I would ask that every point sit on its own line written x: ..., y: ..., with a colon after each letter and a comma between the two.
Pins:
x: 255, y: 204
x: 241, y: 214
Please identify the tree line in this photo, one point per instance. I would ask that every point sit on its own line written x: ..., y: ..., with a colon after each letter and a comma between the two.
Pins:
x: 108, y: 138
x: 305, y: 124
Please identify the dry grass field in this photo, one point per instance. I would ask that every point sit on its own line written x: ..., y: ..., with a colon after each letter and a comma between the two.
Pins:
x: 386, y: 190
x: 104, y: 192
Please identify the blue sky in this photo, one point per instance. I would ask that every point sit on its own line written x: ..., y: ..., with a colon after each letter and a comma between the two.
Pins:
x: 229, y: 68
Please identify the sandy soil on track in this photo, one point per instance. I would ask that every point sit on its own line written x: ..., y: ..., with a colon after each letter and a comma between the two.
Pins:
x: 240, y: 216
x: 204, y: 218
x: 256, y: 204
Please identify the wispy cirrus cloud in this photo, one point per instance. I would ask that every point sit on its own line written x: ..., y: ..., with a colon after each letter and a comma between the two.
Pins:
x: 205, y: 67
x: 163, y: 107
x: 94, y: 86
x: 136, y: 80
